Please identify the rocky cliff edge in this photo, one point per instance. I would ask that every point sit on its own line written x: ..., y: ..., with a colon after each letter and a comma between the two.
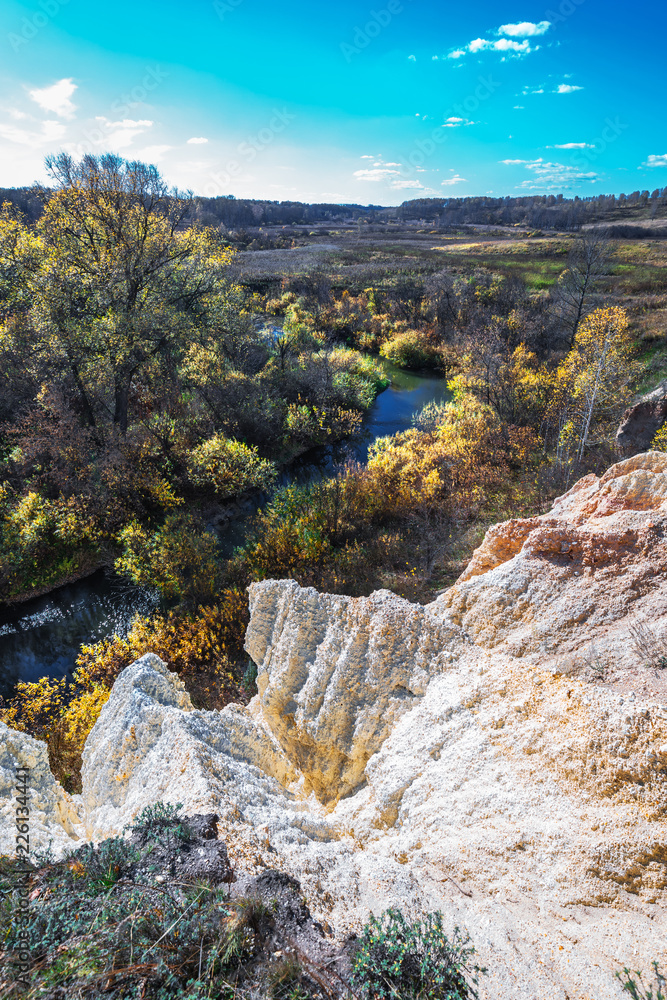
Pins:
x: 499, y: 754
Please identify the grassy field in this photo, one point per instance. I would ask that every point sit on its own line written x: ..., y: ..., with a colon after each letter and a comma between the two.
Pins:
x: 356, y: 258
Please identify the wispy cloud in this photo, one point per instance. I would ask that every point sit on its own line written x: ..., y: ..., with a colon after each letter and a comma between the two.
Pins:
x: 656, y: 160
x: 562, y: 88
x: 149, y: 154
x: 122, y: 134
x: 572, y: 145
x: 50, y: 131
x: 456, y: 179
x: 400, y: 185
x: 125, y: 123
x: 197, y: 140
x: 56, y: 98
x: 375, y: 174
x: 548, y: 174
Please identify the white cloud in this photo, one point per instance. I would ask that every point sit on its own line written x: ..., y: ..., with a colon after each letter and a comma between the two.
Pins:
x: 197, y: 140
x: 525, y: 29
x: 547, y: 174
x: 566, y: 88
x: 518, y: 107
x: 500, y: 45
x: 380, y: 174
x: 399, y: 185
x: 509, y: 46
x: 656, y: 160
x: 393, y: 164
x: 122, y: 134
x: 454, y: 122
x: 56, y: 98
x: 532, y: 90
x: 572, y: 145
x: 454, y: 180
x: 367, y: 156
x: 51, y: 131
x: 125, y: 123
x: 412, y: 58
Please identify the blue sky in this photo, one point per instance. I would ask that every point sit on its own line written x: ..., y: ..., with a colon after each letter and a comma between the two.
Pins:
x: 349, y: 101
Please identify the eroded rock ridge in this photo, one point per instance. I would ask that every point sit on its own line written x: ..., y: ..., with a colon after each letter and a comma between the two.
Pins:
x: 499, y: 754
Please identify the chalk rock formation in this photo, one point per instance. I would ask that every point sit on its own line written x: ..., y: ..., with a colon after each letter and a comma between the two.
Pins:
x: 586, y: 572
x: 335, y: 675
x: 500, y: 754
x: 53, y: 813
x: 641, y: 421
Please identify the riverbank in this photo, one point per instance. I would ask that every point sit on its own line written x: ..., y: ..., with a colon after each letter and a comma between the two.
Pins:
x: 42, y: 636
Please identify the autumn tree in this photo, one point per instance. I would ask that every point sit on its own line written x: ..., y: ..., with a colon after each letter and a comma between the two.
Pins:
x: 109, y: 284
x: 593, y: 380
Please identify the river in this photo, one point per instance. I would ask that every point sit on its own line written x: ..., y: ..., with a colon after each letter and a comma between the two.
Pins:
x: 42, y: 637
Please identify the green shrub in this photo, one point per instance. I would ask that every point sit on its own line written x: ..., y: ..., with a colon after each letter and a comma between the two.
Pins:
x: 43, y: 542
x: 230, y: 467
x: 396, y: 959
x: 411, y: 350
x: 179, y: 559
x: 639, y: 990
x: 161, y: 824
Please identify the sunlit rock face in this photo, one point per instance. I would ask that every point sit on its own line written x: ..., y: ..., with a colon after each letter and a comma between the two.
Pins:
x: 500, y: 754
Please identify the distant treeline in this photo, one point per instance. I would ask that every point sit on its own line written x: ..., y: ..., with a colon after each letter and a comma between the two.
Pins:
x: 536, y: 211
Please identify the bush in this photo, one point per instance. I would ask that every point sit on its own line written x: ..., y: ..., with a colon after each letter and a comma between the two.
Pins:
x: 60, y: 716
x: 204, y: 647
x: 101, y: 924
x: 230, y: 467
x: 412, y: 350
x: 43, y: 543
x: 397, y: 959
x: 179, y: 559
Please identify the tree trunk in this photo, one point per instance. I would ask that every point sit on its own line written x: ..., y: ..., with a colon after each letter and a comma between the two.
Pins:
x: 121, y: 403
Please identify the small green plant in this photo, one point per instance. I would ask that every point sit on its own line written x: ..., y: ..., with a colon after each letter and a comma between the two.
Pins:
x: 249, y: 681
x: 395, y: 958
x: 284, y: 980
x: 98, y: 868
x: 161, y: 823
x: 639, y: 990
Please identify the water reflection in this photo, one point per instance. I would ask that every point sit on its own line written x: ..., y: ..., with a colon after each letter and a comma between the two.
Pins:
x: 42, y: 637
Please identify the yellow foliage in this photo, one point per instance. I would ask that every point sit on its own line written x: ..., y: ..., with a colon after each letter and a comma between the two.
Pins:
x: 203, y: 648
x: 594, y: 378
x: 659, y: 442
x: 44, y: 710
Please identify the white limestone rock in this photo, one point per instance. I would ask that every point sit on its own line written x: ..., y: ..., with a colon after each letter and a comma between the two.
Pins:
x: 334, y: 675
x: 441, y: 757
x: 55, y: 816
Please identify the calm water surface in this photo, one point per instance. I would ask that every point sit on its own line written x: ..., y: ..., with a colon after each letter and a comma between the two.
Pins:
x: 42, y: 637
